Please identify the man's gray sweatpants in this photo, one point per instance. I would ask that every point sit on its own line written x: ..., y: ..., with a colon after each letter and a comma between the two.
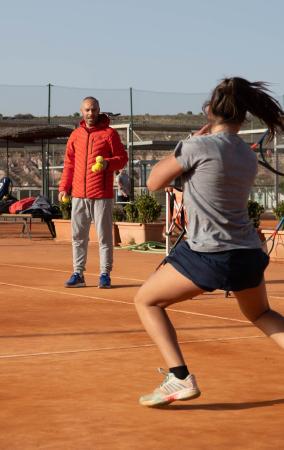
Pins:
x: 84, y: 212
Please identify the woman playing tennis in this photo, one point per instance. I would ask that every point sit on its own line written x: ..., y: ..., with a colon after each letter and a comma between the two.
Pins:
x: 222, y: 249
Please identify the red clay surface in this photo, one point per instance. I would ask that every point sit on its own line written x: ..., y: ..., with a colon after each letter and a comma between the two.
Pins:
x: 74, y: 362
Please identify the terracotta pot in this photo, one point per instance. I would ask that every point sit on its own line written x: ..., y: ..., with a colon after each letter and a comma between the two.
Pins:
x: 116, y: 235
x: 63, y: 230
x: 137, y: 233
x: 268, y: 224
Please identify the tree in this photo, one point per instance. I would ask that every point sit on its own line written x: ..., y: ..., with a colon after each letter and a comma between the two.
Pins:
x: 23, y: 116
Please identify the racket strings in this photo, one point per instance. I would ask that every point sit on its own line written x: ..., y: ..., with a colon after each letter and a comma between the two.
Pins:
x: 264, y: 154
x: 272, y: 237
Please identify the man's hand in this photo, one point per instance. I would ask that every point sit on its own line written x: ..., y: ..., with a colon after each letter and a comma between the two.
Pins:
x: 61, y: 195
x: 99, y: 166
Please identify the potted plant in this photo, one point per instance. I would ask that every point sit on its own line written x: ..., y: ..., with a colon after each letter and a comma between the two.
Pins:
x: 141, y: 224
x: 118, y: 214
x: 144, y: 209
x: 255, y: 210
x: 279, y: 210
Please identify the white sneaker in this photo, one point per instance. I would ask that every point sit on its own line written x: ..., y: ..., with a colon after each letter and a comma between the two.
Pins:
x: 171, y: 389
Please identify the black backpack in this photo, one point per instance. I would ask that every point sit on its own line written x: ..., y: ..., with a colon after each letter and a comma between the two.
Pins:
x: 5, y: 187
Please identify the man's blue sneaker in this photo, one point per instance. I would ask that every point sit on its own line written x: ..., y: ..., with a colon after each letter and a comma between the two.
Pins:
x: 104, y: 281
x: 75, y: 281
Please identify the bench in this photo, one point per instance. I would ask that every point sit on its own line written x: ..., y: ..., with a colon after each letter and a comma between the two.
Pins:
x: 27, y: 220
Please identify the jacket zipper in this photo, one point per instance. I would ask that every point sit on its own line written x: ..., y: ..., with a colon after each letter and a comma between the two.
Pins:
x: 86, y: 165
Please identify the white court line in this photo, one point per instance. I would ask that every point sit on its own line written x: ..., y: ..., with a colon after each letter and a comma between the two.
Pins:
x: 67, y: 271
x: 192, y: 341
x: 275, y: 297
x: 97, y: 274
x: 50, y: 291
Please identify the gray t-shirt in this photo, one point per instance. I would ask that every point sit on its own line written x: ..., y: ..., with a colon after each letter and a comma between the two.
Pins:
x: 219, y: 171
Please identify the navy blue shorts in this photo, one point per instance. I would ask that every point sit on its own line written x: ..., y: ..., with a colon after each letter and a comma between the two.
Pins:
x: 232, y: 270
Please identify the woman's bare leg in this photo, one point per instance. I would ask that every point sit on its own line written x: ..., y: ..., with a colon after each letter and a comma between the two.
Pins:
x: 255, y: 306
x: 163, y: 288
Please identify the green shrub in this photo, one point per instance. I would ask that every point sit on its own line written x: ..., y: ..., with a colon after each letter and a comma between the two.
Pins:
x: 279, y: 210
x: 254, y: 211
x: 131, y: 212
x: 144, y: 209
x: 118, y: 214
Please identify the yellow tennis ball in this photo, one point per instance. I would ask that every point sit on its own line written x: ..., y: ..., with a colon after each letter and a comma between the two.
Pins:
x: 99, y: 159
x: 97, y: 167
x: 65, y: 198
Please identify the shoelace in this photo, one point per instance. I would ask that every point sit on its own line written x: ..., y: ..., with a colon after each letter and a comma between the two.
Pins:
x: 105, y: 276
x: 165, y: 373
x: 75, y: 276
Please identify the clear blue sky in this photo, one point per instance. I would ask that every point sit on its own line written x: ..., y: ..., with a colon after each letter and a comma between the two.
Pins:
x: 155, y: 45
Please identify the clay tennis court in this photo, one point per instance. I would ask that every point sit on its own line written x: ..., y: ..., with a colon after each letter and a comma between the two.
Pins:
x: 74, y: 362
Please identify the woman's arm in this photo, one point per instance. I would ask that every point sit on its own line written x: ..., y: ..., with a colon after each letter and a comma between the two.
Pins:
x: 163, y: 173
x: 168, y: 168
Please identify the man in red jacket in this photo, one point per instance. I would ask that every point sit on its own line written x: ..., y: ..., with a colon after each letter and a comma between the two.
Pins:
x: 91, y: 188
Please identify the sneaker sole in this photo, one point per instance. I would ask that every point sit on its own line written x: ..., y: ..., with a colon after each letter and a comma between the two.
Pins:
x: 183, y: 396
x: 104, y: 287
x: 76, y: 286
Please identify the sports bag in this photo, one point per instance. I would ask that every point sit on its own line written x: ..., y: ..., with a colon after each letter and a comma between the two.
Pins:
x: 41, y: 207
x: 21, y: 205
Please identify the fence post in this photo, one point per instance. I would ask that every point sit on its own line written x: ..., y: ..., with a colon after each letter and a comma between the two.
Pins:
x: 131, y: 164
x: 46, y: 165
x: 276, y: 177
x: 49, y: 102
x: 7, y: 158
x: 43, y: 164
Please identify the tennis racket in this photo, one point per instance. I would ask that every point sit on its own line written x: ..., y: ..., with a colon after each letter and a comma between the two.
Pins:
x: 266, y: 155
x: 270, y: 242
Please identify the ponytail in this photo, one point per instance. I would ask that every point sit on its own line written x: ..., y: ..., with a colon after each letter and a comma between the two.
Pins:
x: 234, y: 97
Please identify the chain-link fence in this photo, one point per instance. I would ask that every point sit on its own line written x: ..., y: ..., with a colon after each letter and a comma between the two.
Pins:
x: 52, y: 101
x: 150, y: 125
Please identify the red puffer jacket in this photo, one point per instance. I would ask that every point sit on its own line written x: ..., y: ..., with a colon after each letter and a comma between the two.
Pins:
x: 83, y: 146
